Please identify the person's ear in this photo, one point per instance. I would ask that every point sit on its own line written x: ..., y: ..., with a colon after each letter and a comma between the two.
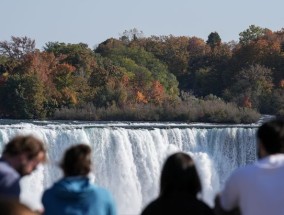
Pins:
x: 23, y: 158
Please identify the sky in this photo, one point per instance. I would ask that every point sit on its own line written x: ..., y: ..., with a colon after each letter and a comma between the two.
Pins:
x: 94, y: 21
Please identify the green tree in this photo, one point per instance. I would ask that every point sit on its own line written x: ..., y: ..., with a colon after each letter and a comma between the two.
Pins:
x: 144, y: 68
x: 251, y: 84
x: 109, y: 84
x: 78, y: 55
x: 273, y: 103
x: 23, y: 97
x: 108, y: 45
x: 251, y: 34
x: 172, y: 51
x: 214, y: 40
x: 208, y: 68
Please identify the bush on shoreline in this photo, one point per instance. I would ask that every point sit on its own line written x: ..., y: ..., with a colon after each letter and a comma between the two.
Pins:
x: 212, y: 110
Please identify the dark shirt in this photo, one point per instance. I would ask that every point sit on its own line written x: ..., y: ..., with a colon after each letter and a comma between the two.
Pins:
x: 177, y: 204
x: 9, y: 181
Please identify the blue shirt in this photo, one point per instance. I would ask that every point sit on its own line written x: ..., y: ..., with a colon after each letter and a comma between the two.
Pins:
x: 9, y: 181
x: 77, y: 196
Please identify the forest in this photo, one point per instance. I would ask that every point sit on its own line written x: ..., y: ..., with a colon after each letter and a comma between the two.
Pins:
x: 138, y: 78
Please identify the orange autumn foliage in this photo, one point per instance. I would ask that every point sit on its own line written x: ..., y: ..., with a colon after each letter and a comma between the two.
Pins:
x: 140, y: 98
x: 247, y: 102
x: 281, y: 84
x: 158, y: 92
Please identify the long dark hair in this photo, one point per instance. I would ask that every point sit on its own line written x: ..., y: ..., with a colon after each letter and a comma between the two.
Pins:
x: 179, y: 175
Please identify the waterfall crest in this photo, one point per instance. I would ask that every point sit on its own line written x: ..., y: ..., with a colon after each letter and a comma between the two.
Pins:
x: 128, y: 160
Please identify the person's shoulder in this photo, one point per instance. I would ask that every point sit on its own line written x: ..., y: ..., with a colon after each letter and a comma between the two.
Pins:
x: 49, y: 192
x: 152, y: 208
x: 206, y: 210
x: 241, y: 175
x: 244, y: 170
x: 47, y: 196
x: 8, y: 171
x: 101, y: 192
x: 98, y: 189
x: 5, y: 168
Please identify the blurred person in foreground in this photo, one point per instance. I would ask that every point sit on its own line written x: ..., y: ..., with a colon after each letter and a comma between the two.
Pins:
x: 258, y: 188
x: 74, y: 193
x: 179, y: 187
x: 20, y: 157
x: 14, y: 207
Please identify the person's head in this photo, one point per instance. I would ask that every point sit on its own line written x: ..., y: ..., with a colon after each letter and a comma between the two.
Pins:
x: 179, y: 175
x: 77, y: 161
x: 13, y: 207
x: 24, y: 153
x: 270, y: 137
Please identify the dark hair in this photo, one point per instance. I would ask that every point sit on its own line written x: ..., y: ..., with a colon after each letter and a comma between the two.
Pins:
x: 179, y: 174
x: 24, y: 144
x: 77, y: 160
x: 271, y: 136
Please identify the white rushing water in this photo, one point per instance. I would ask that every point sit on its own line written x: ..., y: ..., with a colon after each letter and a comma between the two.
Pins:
x: 128, y: 157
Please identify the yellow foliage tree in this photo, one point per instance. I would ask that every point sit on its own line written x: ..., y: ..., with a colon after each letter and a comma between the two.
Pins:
x: 140, y: 98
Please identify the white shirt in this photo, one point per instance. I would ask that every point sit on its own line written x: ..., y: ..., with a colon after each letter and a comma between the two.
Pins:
x: 257, y: 189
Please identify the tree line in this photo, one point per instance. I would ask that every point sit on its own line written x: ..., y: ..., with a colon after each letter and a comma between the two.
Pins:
x: 145, y: 78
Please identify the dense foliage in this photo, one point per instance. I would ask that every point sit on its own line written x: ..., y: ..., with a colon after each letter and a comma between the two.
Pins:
x: 145, y: 78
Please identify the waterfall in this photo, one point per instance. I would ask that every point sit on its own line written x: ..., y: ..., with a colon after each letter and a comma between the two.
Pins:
x: 128, y: 158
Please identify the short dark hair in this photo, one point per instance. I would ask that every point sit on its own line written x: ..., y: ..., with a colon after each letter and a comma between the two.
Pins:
x: 271, y: 135
x: 179, y: 174
x: 24, y: 144
x: 77, y: 160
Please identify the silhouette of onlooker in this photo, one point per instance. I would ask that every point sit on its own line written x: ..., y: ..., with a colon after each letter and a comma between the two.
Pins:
x: 14, y: 207
x: 74, y: 193
x: 258, y: 188
x: 179, y: 187
x: 20, y: 157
